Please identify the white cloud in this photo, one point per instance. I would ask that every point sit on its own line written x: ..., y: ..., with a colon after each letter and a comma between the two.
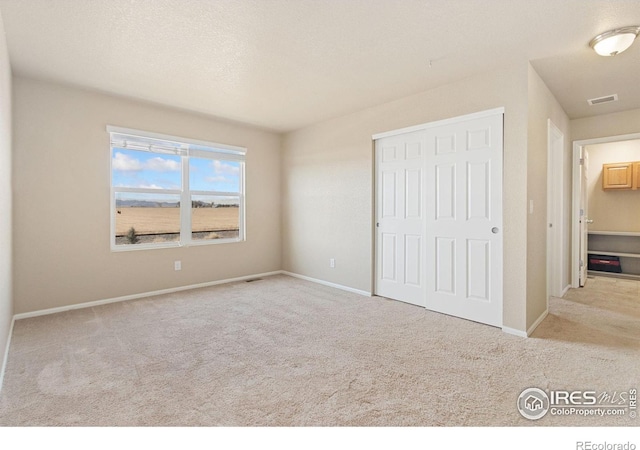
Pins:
x: 162, y: 165
x: 145, y: 186
x: 221, y: 168
x: 125, y: 163
x: 218, y: 179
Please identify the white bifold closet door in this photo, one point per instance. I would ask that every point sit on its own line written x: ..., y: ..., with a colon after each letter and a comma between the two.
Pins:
x: 439, y: 217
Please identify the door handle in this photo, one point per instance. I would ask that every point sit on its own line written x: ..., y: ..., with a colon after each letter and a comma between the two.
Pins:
x: 495, y: 230
x: 589, y: 220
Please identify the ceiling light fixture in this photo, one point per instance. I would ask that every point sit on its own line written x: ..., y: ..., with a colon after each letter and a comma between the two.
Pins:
x: 615, y: 41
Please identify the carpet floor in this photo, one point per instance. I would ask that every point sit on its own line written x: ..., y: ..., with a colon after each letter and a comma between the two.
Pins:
x: 287, y: 352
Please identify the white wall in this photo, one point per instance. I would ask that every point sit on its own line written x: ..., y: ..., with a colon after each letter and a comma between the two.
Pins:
x: 542, y: 105
x: 328, y: 182
x: 612, y: 210
x: 616, y: 124
x: 6, y: 303
x: 62, y: 197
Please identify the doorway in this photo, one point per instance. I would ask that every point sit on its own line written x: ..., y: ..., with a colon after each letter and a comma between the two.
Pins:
x: 612, y: 238
x: 438, y: 239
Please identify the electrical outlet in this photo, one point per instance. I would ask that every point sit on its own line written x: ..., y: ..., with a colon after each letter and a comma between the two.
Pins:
x: 332, y: 263
x: 177, y: 265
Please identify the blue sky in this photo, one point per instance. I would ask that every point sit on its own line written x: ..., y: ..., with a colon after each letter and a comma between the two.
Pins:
x: 141, y: 169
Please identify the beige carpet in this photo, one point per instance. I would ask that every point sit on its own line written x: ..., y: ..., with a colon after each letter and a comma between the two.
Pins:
x: 282, y: 351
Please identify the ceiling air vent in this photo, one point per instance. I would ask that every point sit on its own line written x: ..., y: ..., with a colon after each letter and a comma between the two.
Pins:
x: 605, y: 99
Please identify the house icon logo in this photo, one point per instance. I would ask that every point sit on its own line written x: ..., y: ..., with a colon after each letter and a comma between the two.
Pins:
x: 533, y: 403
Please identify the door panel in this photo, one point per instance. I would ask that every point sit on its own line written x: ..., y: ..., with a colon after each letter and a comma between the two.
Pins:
x: 478, y: 264
x: 478, y: 199
x: 389, y: 152
x: 464, y: 222
x: 389, y: 190
x: 389, y: 257
x: 445, y: 143
x: 445, y: 265
x: 413, y: 194
x: 478, y: 139
x: 400, y: 218
x: 445, y: 189
x: 413, y: 150
x: 413, y: 261
x: 555, y: 226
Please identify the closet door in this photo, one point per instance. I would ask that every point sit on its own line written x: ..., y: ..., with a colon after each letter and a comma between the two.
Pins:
x: 439, y: 217
x: 400, y: 268
x: 464, y: 219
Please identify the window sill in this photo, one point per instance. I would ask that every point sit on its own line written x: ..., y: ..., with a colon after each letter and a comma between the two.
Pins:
x: 136, y: 247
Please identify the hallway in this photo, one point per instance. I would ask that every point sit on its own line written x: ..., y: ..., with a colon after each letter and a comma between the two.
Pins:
x: 604, y: 312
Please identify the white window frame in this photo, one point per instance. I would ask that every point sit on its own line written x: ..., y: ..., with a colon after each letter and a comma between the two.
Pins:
x: 182, y: 147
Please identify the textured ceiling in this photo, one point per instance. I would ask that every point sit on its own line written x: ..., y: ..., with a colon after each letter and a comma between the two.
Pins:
x: 284, y: 64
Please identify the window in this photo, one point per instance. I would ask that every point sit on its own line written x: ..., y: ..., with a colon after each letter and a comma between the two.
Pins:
x: 168, y: 191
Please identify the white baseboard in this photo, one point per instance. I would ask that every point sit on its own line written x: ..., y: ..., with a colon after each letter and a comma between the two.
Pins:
x: 44, y: 312
x: 327, y: 283
x: 531, y: 328
x: 6, y: 353
x: 124, y: 298
x: 565, y: 290
x: 515, y: 332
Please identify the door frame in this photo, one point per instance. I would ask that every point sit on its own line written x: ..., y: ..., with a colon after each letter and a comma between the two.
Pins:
x: 421, y: 127
x: 576, y: 192
x: 555, y: 209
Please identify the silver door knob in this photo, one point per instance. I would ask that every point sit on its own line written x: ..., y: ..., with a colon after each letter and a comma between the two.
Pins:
x: 495, y: 230
x: 589, y: 220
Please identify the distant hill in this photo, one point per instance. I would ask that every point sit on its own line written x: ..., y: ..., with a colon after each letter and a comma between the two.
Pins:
x: 149, y: 204
x: 144, y: 204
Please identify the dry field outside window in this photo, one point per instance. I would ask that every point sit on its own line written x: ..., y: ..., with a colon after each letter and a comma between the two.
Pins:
x: 152, y: 221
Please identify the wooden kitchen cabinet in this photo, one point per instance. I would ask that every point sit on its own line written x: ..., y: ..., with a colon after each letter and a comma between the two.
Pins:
x: 619, y: 175
x: 636, y: 175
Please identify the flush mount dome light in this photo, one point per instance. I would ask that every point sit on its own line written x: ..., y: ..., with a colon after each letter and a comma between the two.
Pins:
x: 615, y: 41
